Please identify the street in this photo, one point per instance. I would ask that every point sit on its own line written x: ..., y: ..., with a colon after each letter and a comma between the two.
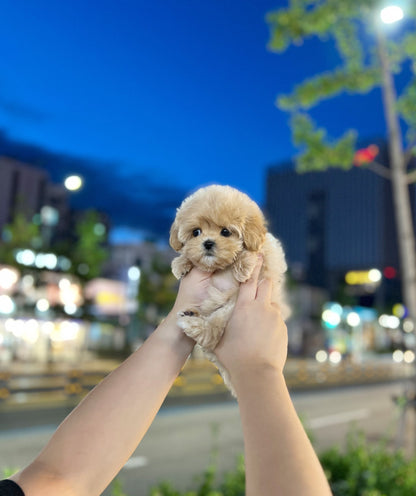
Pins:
x: 181, y: 440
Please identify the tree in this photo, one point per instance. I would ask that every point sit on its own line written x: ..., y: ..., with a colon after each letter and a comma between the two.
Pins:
x: 157, y: 292
x: 362, y: 68
x: 20, y: 233
x: 88, y: 254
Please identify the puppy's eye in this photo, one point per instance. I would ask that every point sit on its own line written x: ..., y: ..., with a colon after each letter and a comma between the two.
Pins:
x: 225, y: 232
x: 196, y: 232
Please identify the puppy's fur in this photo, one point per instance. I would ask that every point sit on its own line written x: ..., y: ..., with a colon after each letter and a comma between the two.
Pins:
x: 220, y: 228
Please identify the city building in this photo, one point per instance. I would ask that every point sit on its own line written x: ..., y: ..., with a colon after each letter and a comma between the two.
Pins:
x: 334, y: 222
x: 124, y: 256
x: 27, y: 189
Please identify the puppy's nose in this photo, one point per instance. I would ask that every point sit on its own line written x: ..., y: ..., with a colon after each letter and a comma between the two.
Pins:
x: 208, y: 244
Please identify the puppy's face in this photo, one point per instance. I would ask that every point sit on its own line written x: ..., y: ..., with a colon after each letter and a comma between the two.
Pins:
x: 211, y: 246
x: 214, y: 225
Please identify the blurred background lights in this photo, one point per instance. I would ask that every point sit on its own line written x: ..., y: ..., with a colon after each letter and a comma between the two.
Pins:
x: 47, y: 327
x: 25, y: 257
x: 134, y: 273
x: 17, y: 328
x: 390, y: 14
x: 70, y: 308
x: 73, y: 183
x: 64, y: 284
x: 358, y: 277
x: 49, y: 215
x: 42, y: 305
x: 99, y: 229
x: 409, y: 356
x: 28, y: 281
x: 389, y: 321
x: 336, y: 307
x: 399, y: 310
x: 353, y: 319
x: 389, y: 272
x: 374, y: 275
x: 408, y: 325
x: 31, y: 331
x: 398, y: 356
x: 335, y: 357
x: 66, y: 331
x: 46, y: 261
x: 7, y: 305
x: 331, y: 318
x: 8, y: 277
x: 321, y: 356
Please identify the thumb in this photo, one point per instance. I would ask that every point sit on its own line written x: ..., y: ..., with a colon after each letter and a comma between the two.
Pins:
x: 248, y: 289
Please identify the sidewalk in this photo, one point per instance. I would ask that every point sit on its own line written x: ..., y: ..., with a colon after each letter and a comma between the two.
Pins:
x: 26, y: 386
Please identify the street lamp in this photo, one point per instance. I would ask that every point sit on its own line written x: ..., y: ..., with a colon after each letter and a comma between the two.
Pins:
x: 399, y: 181
x: 400, y: 186
x: 391, y: 14
x: 73, y: 183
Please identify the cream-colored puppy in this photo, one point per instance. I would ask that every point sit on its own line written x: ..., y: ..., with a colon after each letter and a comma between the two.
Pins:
x: 219, y: 228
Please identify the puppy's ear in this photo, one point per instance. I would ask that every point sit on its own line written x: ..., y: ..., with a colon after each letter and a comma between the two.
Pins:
x: 254, y: 232
x: 174, y: 239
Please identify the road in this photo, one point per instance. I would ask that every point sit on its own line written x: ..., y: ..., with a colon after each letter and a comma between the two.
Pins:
x: 179, y: 444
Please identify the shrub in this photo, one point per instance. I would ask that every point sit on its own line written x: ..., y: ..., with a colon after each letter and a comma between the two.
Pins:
x: 363, y: 470
x: 359, y: 470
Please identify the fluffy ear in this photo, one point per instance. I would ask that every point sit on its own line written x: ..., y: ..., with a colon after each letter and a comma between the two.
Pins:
x: 254, y: 232
x: 174, y: 239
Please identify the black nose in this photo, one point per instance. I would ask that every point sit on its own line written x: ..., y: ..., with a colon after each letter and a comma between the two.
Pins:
x: 208, y: 244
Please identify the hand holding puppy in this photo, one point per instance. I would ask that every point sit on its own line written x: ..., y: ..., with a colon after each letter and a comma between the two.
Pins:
x: 256, y: 335
x: 220, y: 230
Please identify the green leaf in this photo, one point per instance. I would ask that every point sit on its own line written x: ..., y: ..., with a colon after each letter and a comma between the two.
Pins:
x: 318, y: 152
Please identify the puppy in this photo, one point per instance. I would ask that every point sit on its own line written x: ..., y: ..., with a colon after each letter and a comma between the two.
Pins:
x: 219, y: 228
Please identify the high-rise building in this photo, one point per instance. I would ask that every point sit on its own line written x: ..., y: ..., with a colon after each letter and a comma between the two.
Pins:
x: 28, y: 189
x: 334, y: 221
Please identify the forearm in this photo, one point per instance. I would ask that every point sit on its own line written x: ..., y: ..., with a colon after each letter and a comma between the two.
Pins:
x: 95, y: 441
x: 280, y: 460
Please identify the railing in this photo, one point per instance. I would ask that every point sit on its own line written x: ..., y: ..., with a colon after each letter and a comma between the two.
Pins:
x: 55, y: 385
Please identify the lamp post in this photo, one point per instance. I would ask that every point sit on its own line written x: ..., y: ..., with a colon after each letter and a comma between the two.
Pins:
x: 400, y: 186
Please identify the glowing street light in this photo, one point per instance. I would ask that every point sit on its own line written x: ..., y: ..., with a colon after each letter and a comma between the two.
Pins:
x: 73, y: 183
x: 390, y: 14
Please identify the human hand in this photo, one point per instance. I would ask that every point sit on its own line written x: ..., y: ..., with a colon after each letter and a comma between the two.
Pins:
x: 194, y: 289
x: 256, y: 335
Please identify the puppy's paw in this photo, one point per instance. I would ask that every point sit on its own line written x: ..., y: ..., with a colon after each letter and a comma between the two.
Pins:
x: 181, y: 266
x: 192, y: 326
x: 244, y: 265
x: 195, y: 327
x: 188, y: 313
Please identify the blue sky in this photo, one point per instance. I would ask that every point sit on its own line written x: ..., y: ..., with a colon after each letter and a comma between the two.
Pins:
x: 151, y: 100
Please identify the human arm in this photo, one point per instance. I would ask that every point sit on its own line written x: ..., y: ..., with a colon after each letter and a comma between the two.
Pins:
x: 96, y: 439
x: 279, y: 458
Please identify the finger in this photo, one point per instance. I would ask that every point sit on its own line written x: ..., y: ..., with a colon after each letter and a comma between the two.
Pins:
x: 264, y: 290
x: 248, y: 290
x: 196, y: 275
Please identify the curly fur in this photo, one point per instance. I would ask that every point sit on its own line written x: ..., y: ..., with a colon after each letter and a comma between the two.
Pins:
x: 215, y: 229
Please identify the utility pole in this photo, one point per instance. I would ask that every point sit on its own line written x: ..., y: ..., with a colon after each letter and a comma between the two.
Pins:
x: 402, y: 211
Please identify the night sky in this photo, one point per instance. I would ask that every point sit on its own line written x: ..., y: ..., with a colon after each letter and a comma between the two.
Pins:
x: 150, y: 100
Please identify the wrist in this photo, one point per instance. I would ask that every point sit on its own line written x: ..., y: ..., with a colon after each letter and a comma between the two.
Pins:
x: 257, y: 376
x: 169, y: 332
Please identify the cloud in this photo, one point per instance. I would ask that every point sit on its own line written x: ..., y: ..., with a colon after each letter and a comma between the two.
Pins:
x: 139, y: 201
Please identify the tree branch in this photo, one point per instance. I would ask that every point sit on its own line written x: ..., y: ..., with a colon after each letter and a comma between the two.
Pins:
x: 379, y: 169
x: 408, y: 154
x: 411, y: 177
